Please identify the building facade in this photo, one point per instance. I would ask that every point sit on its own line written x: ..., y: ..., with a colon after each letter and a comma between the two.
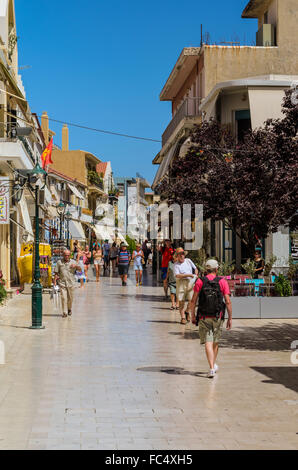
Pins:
x: 241, y: 87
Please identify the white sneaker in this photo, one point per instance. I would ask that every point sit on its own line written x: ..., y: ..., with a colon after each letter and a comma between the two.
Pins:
x: 211, y: 374
x: 216, y: 368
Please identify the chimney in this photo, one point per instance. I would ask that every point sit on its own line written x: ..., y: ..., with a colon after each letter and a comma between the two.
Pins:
x: 65, y: 138
x: 45, y: 126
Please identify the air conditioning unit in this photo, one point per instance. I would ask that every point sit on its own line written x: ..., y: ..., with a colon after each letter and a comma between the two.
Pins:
x: 266, y: 36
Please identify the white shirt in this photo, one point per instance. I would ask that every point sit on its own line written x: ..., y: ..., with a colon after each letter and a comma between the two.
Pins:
x: 186, y: 267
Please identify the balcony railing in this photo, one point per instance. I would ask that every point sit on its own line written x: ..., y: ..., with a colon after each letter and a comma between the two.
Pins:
x: 95, y: 180
x: 189, y: 108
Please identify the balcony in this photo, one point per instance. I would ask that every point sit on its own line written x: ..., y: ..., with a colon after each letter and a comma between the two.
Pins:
x: 95, y: 182
x: 189, y: 108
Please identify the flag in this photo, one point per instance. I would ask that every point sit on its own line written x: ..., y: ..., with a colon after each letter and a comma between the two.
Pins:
x: 47, y: 154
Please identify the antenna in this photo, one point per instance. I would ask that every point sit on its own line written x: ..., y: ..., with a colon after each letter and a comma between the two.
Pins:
x: 25, y: 67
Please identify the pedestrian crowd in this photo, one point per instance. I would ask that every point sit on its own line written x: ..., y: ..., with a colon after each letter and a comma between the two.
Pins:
x: 200, y: 300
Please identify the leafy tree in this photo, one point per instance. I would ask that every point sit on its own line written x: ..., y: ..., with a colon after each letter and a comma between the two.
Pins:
x: 251, y: 185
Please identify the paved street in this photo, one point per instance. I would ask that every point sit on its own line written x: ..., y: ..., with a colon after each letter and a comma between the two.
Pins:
x: 122, y: 373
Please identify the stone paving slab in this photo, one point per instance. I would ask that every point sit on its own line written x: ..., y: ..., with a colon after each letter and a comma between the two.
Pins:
x: 122, y: 373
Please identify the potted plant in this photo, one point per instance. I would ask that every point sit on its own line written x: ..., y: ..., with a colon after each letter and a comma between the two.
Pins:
x: 282, y: 286
x: 3, y: 292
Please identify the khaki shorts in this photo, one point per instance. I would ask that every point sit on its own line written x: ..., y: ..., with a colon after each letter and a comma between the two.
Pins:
x: 184, y: 289
x: 210, y: 330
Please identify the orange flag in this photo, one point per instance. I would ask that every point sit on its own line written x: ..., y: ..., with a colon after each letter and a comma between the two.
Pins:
x: 47, y: 154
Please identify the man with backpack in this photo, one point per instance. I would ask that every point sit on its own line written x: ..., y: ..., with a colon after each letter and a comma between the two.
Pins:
x: 214, y: 297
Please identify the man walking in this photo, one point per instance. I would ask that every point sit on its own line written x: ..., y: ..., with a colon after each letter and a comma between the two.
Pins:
x: 106, y: 255
x: 186, y: 274
x: 167, y: 255
x: 211, y: 291
x: 64, y: 274
x: 123, y: 263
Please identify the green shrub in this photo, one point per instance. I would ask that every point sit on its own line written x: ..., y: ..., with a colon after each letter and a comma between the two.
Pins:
x: 282, y: 286
x: 131, y: 244
x: 269, y: 265
x: 3, y: 294
x: 249, y: 267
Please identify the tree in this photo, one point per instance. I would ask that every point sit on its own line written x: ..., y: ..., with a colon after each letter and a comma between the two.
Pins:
x: 252, y: 185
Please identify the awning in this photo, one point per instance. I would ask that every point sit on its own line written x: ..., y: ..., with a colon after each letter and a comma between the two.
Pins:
x: 51, y: 212
x: 164, y: 166
x: 102, y: 233
x: 76, y: 230
x: 75, y: 191
x: 26, y: 217
x: 121, y: 238
x: 48, y: 195
x: 265, y: 103
x: 54, y: 193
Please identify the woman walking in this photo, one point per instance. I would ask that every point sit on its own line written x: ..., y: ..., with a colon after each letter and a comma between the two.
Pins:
x: 87, y: 261
x: 138, y: 256
x: 113, y: 256
x: 80, y: 274
x: 97, y: 256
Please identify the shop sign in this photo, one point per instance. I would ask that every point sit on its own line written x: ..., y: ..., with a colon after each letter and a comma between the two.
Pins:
x: 4, y: 200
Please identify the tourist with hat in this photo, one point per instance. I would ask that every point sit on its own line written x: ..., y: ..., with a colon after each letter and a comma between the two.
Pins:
x: 213, y: 294
x: 186, y: 274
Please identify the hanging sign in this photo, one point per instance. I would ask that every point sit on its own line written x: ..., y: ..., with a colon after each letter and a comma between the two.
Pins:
x: 4, y: 200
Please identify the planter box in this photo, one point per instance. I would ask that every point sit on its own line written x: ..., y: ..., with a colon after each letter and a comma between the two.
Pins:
x: 279, y: 307
x: 246, y: 307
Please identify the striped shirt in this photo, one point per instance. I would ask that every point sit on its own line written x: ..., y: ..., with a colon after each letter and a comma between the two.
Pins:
x: 123, y: 257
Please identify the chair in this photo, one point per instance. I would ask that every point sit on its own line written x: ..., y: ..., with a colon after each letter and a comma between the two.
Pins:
x: 232, y: 284
x: 242, y: 277
x: 242, y: 290
x: 256, y: 282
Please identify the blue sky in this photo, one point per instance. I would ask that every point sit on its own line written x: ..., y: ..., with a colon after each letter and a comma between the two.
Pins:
x: 103, y: 64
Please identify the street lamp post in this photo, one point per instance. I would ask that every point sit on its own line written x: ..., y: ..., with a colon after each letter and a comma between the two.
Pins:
x: 61, y: 211
x: 37, y: 287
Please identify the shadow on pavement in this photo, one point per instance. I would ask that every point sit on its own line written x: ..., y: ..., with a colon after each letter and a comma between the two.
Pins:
x: 186, y: 334
x: 163, y: 321
x: 286, y: 376
x: 269, y: 337
x: 172, y: 371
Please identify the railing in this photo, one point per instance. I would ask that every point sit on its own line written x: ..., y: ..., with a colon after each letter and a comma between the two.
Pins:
x: 189, y: 108
x: 94, y: 179
x: 27, y: 148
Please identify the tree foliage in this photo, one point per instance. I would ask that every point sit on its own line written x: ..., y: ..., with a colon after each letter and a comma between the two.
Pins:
x: 252, y: 184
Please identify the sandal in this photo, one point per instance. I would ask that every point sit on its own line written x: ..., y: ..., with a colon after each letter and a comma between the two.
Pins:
x: 187, y: 317
x: 183, y: 321
x: 64, y: 315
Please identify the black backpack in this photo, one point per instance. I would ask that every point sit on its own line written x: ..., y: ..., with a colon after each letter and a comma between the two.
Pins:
x: 211, y: 302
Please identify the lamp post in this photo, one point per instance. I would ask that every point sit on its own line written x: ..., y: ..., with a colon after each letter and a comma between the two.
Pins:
x: 34, y: 175
x: 61, y: 211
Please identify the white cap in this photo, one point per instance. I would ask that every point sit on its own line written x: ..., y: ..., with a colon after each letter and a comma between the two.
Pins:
x: 212, y: 263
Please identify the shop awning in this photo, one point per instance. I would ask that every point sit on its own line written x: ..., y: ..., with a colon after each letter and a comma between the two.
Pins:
x: 121, y: 238
x: 48, y: 196
x: 54, y: 193
x: 51, y: 213
x: 102, y: 233
x: 75, y: 191
x: 26, y: 217
x: 76, y: 230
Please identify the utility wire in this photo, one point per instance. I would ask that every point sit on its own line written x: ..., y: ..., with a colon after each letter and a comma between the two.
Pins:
x: 103, y: 131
